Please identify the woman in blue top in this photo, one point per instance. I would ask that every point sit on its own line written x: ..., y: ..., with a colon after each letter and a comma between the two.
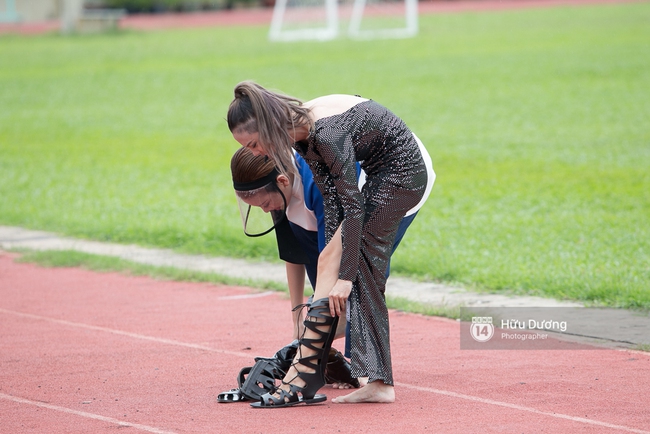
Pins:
x: 302, y: 203
x: 333, y: 133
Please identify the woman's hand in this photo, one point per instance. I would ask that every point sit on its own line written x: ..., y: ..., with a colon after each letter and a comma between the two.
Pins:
x: 339, y: 296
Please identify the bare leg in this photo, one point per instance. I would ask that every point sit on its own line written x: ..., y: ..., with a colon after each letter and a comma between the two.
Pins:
x: 328, y: 270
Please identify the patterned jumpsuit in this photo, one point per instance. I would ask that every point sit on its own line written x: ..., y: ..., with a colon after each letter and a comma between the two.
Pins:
x: 396, y: 181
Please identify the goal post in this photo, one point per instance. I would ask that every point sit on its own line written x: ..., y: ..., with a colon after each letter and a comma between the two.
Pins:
x: 296, y: 20
x: 70, y: 14
x: 379, y: 19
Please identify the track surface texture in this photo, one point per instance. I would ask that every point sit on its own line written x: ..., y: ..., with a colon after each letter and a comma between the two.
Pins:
x: 83, y: 352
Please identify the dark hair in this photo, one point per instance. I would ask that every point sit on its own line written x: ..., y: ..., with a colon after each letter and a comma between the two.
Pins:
x: 246, y: 167
x: 258, y: 110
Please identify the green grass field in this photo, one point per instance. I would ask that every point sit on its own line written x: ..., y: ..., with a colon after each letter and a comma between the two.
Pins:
x: 537, y: 122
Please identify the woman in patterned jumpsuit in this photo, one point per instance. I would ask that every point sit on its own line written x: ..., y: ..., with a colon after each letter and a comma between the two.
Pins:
x: 332, y: 133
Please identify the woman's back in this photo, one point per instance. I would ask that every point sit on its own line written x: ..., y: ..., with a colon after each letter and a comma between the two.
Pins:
x: 331, y: 105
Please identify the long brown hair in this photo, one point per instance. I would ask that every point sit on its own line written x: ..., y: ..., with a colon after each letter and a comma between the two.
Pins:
x: 258, y: 110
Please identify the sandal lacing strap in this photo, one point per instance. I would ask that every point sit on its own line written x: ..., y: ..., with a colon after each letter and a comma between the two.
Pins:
x: 320, y: 322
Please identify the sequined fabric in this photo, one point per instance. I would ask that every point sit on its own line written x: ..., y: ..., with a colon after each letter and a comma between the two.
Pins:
x: 396, y: 181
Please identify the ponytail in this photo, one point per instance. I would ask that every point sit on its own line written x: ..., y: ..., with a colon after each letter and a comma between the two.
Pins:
x: 258, y: 110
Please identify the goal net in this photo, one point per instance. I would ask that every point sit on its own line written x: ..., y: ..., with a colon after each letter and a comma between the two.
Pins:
x: 295, y: 20
x: 376, y: 19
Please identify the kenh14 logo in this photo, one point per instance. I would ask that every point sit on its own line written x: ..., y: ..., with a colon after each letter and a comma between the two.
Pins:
x: 482, y: 329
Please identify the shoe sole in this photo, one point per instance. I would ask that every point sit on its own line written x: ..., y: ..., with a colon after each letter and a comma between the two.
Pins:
x: 315, y: 400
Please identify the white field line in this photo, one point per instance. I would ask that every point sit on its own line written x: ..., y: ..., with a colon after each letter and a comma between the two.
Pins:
x: 240, y: 354
x: 123, y: 333
x: 84, y: 414
x: 522, y: 408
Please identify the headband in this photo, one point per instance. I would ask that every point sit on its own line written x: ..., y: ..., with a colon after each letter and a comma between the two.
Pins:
x: 260, y: 182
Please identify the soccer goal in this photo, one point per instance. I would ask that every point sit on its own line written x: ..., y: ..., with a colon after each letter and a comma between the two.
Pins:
x: 295, y: 20
x: 377, y: 19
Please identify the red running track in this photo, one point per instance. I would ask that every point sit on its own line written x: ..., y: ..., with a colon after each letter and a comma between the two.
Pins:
x: 262, y: 16
x: 85, y: 352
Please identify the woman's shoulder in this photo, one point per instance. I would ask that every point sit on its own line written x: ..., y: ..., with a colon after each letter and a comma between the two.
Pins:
x: 331, y: 105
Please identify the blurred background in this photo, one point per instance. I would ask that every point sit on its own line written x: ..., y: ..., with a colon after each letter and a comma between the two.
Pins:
x: 535, y: 114
x: 41, y: 10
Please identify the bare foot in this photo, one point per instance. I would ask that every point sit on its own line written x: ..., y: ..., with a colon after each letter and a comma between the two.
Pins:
x: 377, y: 391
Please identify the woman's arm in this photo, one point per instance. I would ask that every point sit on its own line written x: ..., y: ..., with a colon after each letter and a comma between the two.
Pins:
x: 343, y: 203
x: 296, y: 283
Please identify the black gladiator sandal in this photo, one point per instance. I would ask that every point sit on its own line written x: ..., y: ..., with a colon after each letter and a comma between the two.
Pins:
x: 256, y: 380
x: 339, y: 370
x: 318, y: 318
x: 262, y: 376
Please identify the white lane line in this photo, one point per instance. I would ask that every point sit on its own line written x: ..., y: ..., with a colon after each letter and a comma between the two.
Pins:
x: 123, y: 333
x: 522, y: 408
x: 85, y: 414
x: 408, y: 386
